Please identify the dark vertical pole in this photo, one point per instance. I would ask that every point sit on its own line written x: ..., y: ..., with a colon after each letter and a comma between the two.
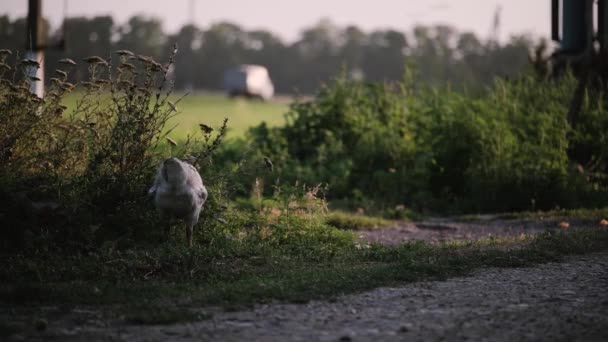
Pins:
x: 555, y: 20
x: 602, y: 26
x: 34, y: 43
x: 34, y: 19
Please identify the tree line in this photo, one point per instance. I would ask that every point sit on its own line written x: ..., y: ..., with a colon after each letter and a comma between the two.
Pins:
x: 441, y: 54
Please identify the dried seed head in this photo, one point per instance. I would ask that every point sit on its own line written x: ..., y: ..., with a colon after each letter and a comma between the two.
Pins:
x: 125, y: 53
x: 91, y: 85
x: 4, y: 52
x: 145, y: 59
x: 156, y: 66
x: 4, y: 66
x: 30, y: 62
x: 206, y: 129
x: 144, y: 90
x: 102, y: 82
x: 59, y: 110
x: 172, y: 105
x: 35, y: 98
x: 67, y: 61
x: 171, y: 141
x: 95, y: 60
x: 61, y: 73
x: 124, y: 84
x: 127, y: 66
x: 34, y: 78
x: 67, y: 86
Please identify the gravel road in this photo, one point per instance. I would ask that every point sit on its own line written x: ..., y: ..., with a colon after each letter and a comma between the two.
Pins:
x: 552, y: 302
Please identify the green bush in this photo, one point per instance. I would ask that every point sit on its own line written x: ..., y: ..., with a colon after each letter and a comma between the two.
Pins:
x: 382, y: 145
x: 83, y: 176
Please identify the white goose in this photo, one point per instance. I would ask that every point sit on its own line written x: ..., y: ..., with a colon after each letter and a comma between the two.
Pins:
x: 178, y: 191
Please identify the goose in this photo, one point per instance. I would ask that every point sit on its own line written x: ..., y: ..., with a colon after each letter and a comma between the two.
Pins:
x: 179, y: 192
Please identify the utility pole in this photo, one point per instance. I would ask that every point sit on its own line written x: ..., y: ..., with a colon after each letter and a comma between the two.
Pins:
x: 34, y: 45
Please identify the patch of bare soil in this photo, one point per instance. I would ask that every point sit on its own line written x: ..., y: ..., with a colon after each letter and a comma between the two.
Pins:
x: 436, y: 230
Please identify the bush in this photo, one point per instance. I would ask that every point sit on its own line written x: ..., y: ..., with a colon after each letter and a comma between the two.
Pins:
x: 387, y: 145
x: 83, y: 176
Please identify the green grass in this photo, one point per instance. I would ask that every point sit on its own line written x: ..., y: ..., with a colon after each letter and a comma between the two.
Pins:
x: 147, y: 277
x: 293, y: 259
x: 211, y: 109
x: 344, y: 220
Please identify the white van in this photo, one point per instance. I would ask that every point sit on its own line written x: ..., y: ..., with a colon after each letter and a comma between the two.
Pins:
x: 248, y: 80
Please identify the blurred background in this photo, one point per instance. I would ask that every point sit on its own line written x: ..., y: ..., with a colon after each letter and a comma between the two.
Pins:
x: 303, y: 44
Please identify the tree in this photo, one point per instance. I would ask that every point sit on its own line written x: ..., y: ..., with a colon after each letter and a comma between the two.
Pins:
x: 144, y: 36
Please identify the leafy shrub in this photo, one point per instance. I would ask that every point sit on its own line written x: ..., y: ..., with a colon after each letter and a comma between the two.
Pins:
x: 83, y: 176
x: 388, y: 145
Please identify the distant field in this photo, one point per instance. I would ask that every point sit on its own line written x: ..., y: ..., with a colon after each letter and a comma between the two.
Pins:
x: 211, y: 109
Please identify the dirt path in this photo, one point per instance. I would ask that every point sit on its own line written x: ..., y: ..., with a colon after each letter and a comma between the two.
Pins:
x: 437, y: 230
x: 551, y: 302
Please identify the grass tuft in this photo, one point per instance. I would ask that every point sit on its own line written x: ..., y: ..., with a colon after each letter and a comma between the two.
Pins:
x: 348, y: 221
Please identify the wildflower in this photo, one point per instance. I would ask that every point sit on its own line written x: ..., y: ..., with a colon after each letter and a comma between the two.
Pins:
x: 564, y: 225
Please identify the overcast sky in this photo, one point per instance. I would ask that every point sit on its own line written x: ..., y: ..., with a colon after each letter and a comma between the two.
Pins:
x: 288, y: 17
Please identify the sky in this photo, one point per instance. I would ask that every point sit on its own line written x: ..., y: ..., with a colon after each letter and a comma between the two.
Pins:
x: 287, y: 18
